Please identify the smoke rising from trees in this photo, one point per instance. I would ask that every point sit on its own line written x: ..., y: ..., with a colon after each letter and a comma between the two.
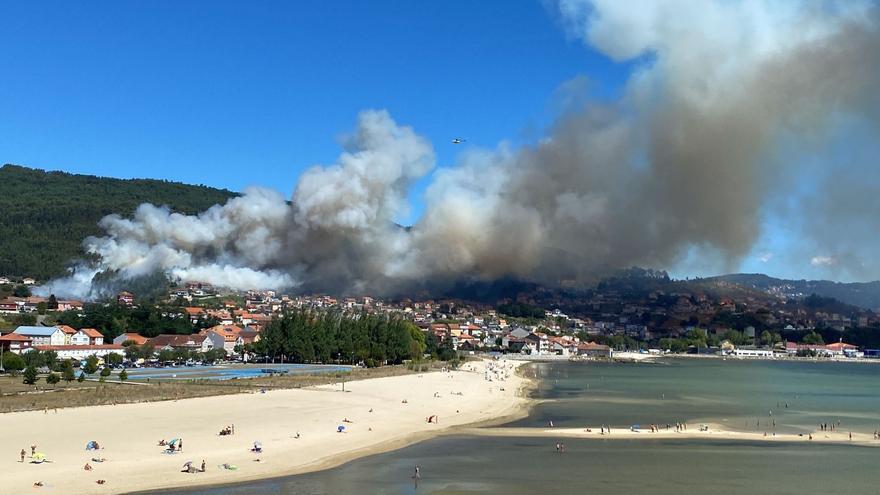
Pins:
x: 688, y: 158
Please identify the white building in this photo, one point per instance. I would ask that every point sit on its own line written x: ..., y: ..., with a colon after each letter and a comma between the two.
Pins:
x: 763, y: 353
x: 80, y: 352
x: 42, y: 335
x: 87, y: 336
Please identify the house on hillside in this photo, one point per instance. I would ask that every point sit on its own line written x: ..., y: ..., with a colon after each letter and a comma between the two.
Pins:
x: 70, y: 305
x: 125, y: 298
x: 42, y: 335
x: 9, y: 306
x: 194, y: 313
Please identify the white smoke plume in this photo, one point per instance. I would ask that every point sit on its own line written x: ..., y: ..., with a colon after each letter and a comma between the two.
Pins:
x: 686, y: 159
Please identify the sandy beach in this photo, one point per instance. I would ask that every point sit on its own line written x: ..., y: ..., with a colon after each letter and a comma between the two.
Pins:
x: 378, y: 414
x: 714, y: 432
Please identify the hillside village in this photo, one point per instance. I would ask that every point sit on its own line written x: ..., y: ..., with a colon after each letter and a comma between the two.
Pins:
x: 222, y: 325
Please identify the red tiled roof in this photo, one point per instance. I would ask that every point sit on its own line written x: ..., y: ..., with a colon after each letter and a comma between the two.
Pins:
x: 136, y: 338
x: 92, y: 333
x: 66, y: 329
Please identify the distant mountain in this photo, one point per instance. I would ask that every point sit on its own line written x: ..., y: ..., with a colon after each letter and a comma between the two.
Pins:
x: 44, y: 216
x: 863, y: 294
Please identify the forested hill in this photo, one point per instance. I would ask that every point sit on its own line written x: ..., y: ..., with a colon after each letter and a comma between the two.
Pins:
x: 44, y: 216
x: 863, y: 294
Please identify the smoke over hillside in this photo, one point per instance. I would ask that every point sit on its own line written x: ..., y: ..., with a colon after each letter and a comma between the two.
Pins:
x: 687, y: 158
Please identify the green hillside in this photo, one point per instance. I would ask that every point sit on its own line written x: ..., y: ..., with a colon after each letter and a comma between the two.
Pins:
x: 44, y: 216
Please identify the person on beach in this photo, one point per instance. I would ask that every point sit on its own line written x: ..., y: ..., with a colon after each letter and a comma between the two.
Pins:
x: 180, y: 446
x: 22, y: 456
x: 418, y: 472
x: 233, y: 428
x: 203, y: 466
x: 33, y: 450
x: 87, y: 467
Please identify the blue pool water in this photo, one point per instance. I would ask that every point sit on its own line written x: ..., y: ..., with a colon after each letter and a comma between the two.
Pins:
x: 228, y: 372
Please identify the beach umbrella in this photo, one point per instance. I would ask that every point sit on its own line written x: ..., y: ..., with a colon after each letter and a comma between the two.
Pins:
x: 340, y: 429
x: 173, y: 441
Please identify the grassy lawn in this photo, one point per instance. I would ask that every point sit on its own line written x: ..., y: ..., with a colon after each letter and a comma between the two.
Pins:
x: 16, y: 396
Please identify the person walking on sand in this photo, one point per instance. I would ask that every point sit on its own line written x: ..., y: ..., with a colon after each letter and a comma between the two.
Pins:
x: 22, y: 456
x: 203, y: 466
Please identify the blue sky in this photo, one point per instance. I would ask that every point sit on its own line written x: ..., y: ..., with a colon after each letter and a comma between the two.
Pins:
x: 231, y: 94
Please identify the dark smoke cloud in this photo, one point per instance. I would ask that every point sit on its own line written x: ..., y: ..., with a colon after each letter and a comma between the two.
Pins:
x: 686, y: 159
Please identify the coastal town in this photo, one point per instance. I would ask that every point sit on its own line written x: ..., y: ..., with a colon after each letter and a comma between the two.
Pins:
x: 206, y: 324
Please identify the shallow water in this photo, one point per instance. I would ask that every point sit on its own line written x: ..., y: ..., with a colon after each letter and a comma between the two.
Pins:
x: 739, y: 394
x: 622, y: 394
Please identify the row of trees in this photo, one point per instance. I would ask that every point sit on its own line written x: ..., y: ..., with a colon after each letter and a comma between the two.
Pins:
x: 49, y: 360
x: 134, y: 352
x: 30, y: 364
x: 307, y: 336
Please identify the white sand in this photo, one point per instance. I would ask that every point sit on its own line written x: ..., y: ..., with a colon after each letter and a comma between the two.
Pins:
x: 129, y: 433
x: 714, y: 432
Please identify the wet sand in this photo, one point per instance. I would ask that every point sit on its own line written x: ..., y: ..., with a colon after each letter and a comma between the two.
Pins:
x: 714, y: 432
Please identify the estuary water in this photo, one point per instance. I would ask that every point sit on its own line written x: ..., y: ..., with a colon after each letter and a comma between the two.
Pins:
x: 737, y: 394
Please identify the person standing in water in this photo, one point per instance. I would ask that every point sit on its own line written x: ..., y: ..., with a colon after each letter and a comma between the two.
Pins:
x: 418, y: 472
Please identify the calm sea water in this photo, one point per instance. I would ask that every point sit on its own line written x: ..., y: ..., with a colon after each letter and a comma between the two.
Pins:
x: 736, y: 393
x: 733, y: 392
